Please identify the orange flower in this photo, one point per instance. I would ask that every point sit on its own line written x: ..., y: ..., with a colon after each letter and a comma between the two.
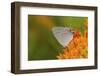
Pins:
x: 77, y: 48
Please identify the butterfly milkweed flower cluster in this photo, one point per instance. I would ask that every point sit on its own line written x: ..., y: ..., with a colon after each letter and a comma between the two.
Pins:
x: 78, y: 46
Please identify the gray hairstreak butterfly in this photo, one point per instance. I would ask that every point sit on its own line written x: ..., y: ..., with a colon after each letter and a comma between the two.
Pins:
x: 63, y: 35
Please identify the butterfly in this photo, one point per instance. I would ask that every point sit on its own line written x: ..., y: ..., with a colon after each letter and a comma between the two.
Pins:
x: 63, y: 35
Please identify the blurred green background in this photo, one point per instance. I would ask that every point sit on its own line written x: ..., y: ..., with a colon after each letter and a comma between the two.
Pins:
x: 42, y: 45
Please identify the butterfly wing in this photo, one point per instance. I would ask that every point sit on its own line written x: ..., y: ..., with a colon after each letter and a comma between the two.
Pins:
x: 63, y: 35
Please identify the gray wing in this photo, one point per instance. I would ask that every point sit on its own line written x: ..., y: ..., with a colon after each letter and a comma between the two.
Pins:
x: 62, y: 37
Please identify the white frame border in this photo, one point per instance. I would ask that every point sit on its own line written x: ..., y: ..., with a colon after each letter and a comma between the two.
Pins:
x: 25, y: 64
